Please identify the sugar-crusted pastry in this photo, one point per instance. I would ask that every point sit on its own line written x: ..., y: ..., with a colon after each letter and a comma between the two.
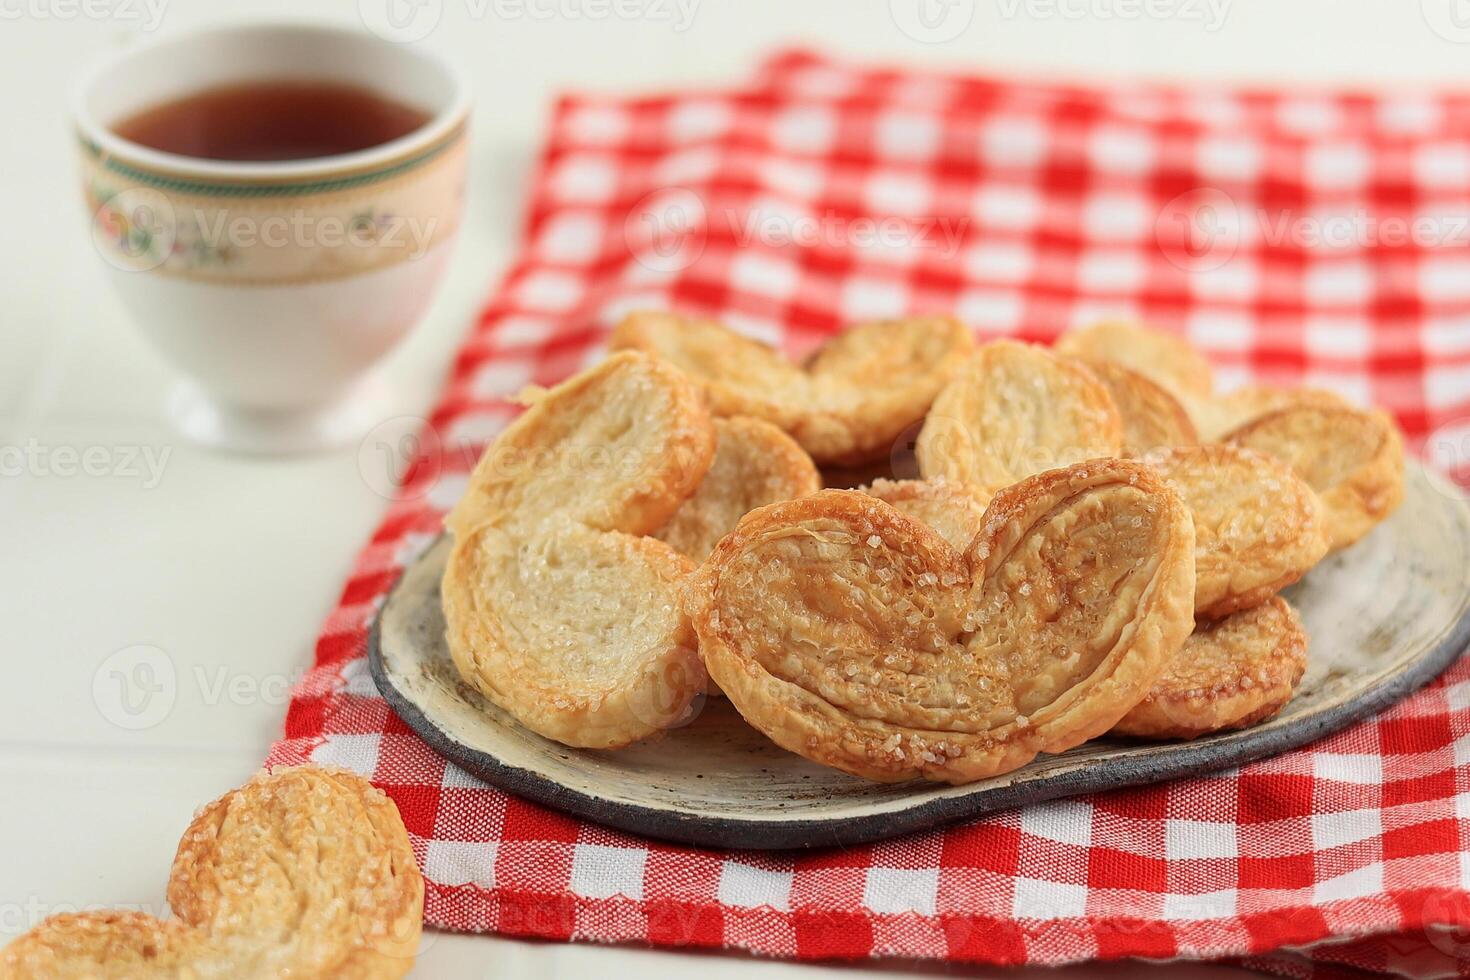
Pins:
x: 1353, y: 459
x: 857, y: 637
x: 1152, y: 417
x: 1016, y: 410
x: 1161, y: 357
x: 618, y: 447
x: 846, y: 405
x: 301, y: 872
x: 755, y: 464
x: 556, y: 607
x: 1257, y: 526
x: 1232, y: 673
x: 955, y: 510
x: 1218, y: 416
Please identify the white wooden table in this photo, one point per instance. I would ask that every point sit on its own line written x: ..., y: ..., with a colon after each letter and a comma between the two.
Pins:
x: 225, y: 566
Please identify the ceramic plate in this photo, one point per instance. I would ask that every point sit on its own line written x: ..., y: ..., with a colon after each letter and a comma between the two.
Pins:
x: 1385, y: 616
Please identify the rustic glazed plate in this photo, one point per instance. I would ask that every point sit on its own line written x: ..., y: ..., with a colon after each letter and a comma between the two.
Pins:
x: 1385, y: 616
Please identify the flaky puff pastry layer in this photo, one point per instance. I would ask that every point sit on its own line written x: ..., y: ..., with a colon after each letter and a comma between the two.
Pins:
x: 1013, y: 411
x: 1152, y: 417
x: 846, y: 405
x: 755, y: 464
x: 557, y: 608
x: 1258, y: 527
x: 301, y: 872
x: 857, y: 637
x: 955, y: 510
x: 1163, y: 358
x: 1232, y: 673
x: 1353, y: 459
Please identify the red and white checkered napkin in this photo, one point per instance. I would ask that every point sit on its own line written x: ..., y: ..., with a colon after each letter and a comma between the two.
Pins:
x: 1317, y: 239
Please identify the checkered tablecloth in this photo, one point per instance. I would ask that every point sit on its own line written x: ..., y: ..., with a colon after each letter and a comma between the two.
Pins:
x: 1314, y: 238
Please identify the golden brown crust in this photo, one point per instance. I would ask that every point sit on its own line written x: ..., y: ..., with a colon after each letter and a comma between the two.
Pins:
x: 1232, y: 673
x: 1161, y: 357
x: 1216, y: 417
x: 846, y: 405
x: 1353, y: 459
x: 575, y: 632
x: 301, y: 872
x: 1152, y: 417
x: 1014, y: 411
x: 618, y: 447
x: 955, y: 510
x: 1258, y: 527
x: 755, y: 464
x: 857, y: 637
x: 556, y: 608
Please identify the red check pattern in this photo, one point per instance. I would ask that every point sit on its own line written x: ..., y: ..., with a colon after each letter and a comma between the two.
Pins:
x: 1298, y: 239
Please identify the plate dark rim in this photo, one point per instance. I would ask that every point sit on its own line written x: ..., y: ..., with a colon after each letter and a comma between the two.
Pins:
x: 1205, y: 755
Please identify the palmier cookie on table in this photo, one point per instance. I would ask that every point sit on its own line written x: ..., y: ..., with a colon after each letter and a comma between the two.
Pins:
x: 846, y: 405
x: 955, y: 510
x: 755, y: 464
x: 1353, y: 459
x: 1232, y: 673
x: 557, y: 607
x: 857, y: 637
x: 1161, y: 357
x: 1016, y: 410
x: 300, y: 872
x: 1257, y: 526
x: 1152, y: 417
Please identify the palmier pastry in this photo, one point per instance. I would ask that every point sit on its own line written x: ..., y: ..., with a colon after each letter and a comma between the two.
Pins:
x: 556, y: 607
x: 1016, y: 410
x: 1218, y: 416
x: 755, y: 464
x: 1161, y: 357
x: 955, y: 510
x: 301, y: 872
x: 1152, y: 417
x: 846, y: 405
x: 1232, y: 673
x: 857, y: 637
x: 1353, y: 459
x: 1257, y: 526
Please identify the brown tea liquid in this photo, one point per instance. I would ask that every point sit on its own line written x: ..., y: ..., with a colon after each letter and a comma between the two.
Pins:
x: 260, y: 121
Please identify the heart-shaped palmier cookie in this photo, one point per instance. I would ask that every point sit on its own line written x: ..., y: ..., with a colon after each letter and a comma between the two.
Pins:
x: 1016, y: 410
x: 557, y: 608
x: 1231, y: 673
x: 1353, y: 459
x: 1257, y: 526
x: 299, y: 873
x: 846, y: 405
x: 857, y: 637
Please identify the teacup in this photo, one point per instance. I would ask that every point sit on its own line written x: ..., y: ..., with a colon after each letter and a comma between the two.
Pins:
x: 275, y: 286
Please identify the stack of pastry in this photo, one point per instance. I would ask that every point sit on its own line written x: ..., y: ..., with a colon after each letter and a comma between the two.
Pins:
x: 1092, y: 542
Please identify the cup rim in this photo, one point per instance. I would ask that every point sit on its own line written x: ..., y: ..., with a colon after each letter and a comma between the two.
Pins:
x: 436, y: 130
